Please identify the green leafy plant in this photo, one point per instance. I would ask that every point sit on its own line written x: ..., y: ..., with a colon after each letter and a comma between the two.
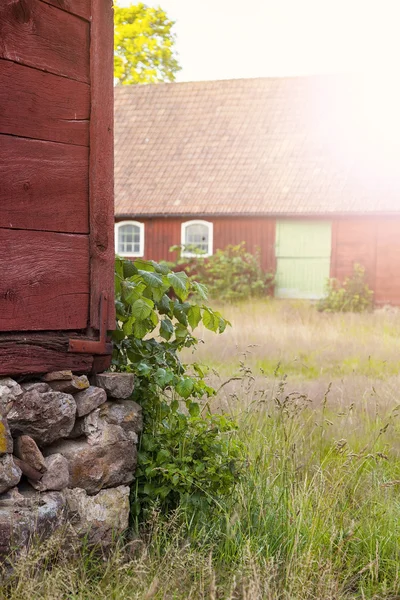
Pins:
x: 353, y: 295
x: 187, y: 454
x: 231, y: 274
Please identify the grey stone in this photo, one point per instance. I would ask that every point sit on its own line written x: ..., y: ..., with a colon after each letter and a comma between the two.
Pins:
x: 10, y: 390
x: 38, y: 514
x: 10, y: 474
x: 12, y: 497
x: 93, y: 467
x: 101, y: 517
x: 39, y: 386
x: 125, y: 413
x: 72, y: 386
x: 78, y: 429
x: 118, y: 386
x: 56, y: 476
x: 89, y: 400
x: 98, y: 431
x: 45, y: 417
x: 6, y: 441
x: 27, y: 450
x: 58, y: 376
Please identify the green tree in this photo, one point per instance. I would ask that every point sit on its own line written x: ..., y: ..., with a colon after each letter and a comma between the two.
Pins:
x: 143, y: 45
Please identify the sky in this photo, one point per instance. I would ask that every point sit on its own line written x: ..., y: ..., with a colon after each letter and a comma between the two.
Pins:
x: 229, y: 39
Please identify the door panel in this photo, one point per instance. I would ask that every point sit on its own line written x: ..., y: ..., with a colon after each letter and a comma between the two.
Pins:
x: 303, y: 251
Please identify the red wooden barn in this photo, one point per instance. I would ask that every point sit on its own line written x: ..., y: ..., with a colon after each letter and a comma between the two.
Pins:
x: 307, y: 169
x: 56, y: 184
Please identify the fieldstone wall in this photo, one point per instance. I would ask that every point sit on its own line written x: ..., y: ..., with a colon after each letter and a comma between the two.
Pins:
x: 67, y: 456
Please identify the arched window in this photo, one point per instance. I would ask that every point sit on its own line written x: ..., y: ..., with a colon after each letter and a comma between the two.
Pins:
x: 197, y: 235
x: 129, y: 238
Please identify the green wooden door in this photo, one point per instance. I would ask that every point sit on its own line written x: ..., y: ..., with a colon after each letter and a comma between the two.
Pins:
x: 303, y: 255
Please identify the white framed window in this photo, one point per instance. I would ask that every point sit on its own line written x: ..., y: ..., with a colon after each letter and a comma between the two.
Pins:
x: 197, y: 235
x: 129, y: 238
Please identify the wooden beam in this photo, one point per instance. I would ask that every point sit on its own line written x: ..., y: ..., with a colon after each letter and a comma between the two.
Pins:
x: 81, y: 8
x: 40, y: 105
x: 39, y: 353
x: 44, y: 185
x: 38, y: 35
x: 101, y: 181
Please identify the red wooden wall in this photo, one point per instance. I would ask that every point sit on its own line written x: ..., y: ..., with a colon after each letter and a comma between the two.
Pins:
x: 373, y: 242
x: 162, y: 233
x: 56, y: 174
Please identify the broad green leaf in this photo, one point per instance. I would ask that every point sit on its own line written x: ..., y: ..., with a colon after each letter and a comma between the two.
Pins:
x: 181, y: 332
x: 154, y: 280
x: 128, y: 326
x: 201, y: 289
x: 140, y: 328
x: 164, y: 305
x: 185, y: 387
x: 194, y: 409
x: 142, y: 308
x: 194, y: 316
x: 210, y: 320
x: 179, y: 313
x: 144, y: 265
x: 129, y: 268
x: 166, y: 329
x: 180, y: 284
x: 132, y: 291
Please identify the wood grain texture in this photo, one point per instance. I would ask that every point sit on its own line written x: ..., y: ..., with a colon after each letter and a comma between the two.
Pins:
x: 44, y: 185
x: 101, y: 181
x: 82, y: 8
x: 39, y: 35
x: 44, y: 281
x: 40, y: 105
x: 39, y: 353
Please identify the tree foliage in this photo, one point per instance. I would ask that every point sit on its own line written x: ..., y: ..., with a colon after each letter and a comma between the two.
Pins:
x: 143, y: 45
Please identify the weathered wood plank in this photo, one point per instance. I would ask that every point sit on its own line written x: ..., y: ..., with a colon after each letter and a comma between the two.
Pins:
x: 81, y: 8
x: 24, y: 358
x: 40, y: 105
x: 101, y: 183
x: 39, y: 35
x: 43, y: 185
x: 44, y: 280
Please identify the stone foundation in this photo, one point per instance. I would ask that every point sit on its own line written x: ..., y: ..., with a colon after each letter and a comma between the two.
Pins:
x: 67, y: 456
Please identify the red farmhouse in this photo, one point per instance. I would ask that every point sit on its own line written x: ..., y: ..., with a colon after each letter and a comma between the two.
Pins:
x: 303, y: 168
x: 56, y: 184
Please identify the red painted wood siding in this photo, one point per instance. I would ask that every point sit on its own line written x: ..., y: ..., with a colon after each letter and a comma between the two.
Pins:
x: 161, y: 234
x: 373, y: 242
x: 56, y: 173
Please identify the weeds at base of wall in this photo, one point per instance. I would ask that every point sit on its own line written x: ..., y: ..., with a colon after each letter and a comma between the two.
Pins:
x: 353, y: 295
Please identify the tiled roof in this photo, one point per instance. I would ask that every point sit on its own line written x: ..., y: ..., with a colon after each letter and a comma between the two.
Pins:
x: 252, y: 146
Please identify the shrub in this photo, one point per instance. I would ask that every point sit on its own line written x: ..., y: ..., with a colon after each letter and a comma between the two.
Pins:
x: 231, y: 274
x: 187, y: 454
x: 353, y: 295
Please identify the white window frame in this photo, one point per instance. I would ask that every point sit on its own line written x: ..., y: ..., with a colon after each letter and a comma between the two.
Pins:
x: 141, y: 239
x: 210, y: 227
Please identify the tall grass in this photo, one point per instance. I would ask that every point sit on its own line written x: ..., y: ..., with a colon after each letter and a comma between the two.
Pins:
x: 316, y: 513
